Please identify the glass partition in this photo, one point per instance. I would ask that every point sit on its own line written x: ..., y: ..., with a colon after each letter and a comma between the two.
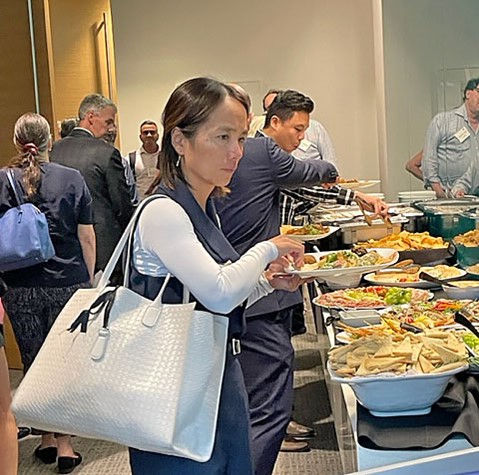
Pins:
x: 430, y: 53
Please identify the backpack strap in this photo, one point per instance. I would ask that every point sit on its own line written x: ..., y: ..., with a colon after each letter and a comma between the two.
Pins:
x: 13, y: 184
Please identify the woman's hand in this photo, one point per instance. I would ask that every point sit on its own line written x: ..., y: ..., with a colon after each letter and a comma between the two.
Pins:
x: 282, y: 282
x: 372, y: 203
x: 290, y: 249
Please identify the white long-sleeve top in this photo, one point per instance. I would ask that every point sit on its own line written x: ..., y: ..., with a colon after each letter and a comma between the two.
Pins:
x: 165, y: 242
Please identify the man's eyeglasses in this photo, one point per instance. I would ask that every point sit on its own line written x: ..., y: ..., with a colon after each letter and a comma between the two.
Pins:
x: 149, y: 132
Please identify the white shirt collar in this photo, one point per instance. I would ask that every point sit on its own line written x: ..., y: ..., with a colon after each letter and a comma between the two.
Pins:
x: 86, y: 130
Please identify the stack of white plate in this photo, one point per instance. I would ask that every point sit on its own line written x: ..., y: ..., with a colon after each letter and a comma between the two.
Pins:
x: 409, y: 196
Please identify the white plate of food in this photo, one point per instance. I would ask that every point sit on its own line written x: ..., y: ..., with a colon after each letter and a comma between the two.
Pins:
x: 403, y: 279
x: 374, y: 297
x: 357, y: 184
x: 336, y: 263
x: 309, y: 232
x: 432, y: 314
x: 473, y: 270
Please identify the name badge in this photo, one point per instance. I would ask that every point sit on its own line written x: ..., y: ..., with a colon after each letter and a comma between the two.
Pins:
x: 304, y: 145
x: 462, y: 134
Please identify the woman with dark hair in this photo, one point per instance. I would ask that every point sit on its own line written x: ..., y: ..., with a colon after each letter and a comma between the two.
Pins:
x: 205, y: 125
x: 37, y: 294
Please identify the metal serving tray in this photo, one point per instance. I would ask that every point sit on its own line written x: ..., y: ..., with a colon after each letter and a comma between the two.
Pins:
x: 444, y: 216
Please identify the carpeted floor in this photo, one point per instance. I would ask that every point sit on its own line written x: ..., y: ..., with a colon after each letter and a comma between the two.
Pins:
x: 311, y: 408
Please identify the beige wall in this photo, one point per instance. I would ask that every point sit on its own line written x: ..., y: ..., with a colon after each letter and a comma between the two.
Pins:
x: 78, y: 52
x: 16, y: 73
x: 324, y: 50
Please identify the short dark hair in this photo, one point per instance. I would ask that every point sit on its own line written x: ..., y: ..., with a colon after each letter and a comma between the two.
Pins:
x: 67, y: 125
x: 148, y: 122
x: 190, y: 106
x: 286, y: 103
x: 470, y: 86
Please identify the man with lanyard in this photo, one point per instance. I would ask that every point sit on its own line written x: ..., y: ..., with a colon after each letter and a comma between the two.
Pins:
x: 452, y: 143
x: 250, y: 213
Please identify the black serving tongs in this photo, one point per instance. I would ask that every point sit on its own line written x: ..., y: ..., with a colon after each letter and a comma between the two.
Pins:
x: 410, y: 328
x: 460, y: 318
x: 434, y: 280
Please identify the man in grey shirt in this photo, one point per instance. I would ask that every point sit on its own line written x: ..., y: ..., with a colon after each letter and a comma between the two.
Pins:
x: 452, y: 143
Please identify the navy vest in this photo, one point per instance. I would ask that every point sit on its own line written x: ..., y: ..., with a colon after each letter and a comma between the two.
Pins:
x: 207, y: 230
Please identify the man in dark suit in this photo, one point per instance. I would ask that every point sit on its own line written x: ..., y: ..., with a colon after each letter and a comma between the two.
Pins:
x: 250, y: 214
x: 101, y: 166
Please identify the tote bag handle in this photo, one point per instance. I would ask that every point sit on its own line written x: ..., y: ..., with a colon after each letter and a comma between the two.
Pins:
x: 125, y: 238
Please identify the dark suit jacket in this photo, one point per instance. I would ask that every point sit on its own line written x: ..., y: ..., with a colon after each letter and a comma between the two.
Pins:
x: 251, y: 214
x: 101, y: 166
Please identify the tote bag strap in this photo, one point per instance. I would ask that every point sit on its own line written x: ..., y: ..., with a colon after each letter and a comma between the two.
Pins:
x: 125, y: 238
x: 13, y: 184
x: 129, y: 251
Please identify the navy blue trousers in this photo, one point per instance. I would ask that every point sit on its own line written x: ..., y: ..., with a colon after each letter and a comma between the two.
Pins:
x: 267, y: 362
x: 232, y: 449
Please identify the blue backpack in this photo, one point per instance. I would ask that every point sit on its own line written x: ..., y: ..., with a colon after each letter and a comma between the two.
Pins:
x: 24, y: 237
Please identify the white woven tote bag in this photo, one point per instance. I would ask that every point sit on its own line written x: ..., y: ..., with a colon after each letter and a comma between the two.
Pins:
x: 137, y: 372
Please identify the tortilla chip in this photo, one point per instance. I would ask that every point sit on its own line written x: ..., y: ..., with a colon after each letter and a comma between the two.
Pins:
x: 385, y: 350
x: 447, y: 355
x: 404, y: 348
x: 416, y: 351
x: 426, y: 366
x: 383, y: 363
x: 449, y: 367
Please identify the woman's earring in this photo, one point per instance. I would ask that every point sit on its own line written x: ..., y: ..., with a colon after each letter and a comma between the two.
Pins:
x: 179, y: 160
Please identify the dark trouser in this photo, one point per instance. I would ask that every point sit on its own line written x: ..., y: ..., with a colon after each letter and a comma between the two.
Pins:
x: 231, y: 452
x: 267, y: 362
x: 298, y: 325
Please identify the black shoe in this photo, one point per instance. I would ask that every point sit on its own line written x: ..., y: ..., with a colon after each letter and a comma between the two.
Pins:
x: 298, y: 331
x: 46, y: 455
x: 23, y: 432
x: 68, y: 464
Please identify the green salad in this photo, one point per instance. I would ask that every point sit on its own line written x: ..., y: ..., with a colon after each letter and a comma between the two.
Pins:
x: 398, y: 296
x: 471, y: 341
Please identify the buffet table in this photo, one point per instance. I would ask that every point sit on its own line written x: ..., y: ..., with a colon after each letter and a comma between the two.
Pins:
x: 457, y: 454
x: 344, y: 408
